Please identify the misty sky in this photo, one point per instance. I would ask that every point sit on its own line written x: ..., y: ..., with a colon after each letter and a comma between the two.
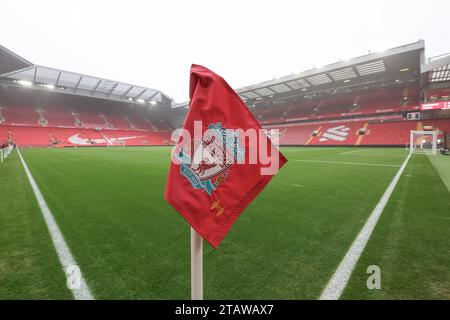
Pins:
x: 153, y: 43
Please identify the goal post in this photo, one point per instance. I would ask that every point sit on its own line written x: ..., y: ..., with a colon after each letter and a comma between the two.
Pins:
x: 115, y: 143
x: 424, y: 142
x: 4, y: 153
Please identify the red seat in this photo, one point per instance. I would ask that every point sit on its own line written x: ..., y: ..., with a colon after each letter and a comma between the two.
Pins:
x: 345, y: 132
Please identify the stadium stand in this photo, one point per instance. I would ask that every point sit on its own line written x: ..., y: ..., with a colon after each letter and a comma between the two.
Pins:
x: 346, y: 133
x: 22, y: 126
x: 59, y: 116
x: 366, y: 103
x: 392, y: 133
x: 328, y: 126
x: 371, y: 100
x: 21, y: 115
x: 42, y: 107
x: 35, y: 136
x: 438, y: 95
x: 116, y: 120
x: 90, y: 118
x: 57, y: 124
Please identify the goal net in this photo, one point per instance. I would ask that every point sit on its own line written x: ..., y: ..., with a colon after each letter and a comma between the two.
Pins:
x: 117, y: 143
x: 423, y: 142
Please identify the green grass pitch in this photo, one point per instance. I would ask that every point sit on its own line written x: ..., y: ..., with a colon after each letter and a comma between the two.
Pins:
x: 130, y: 244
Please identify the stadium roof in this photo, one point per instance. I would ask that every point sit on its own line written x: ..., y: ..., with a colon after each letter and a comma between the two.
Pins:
x: 15, y: 70
x: 9, y: 61
x: 437, y: 69
x: 401, y: 62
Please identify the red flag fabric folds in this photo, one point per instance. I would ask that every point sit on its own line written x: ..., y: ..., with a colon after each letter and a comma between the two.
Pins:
x: 214, y: 174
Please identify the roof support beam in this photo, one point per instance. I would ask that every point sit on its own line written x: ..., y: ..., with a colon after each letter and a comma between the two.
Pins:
x: 152, y: 96
x: 308, y: 82
x: 57, y: 79
x: 35, y: 73
x: 96, y: 86
x: 140, y: 94
x: 9, y: 74
x: 286, y: 84
x: 127, y: 92
x: 112, y: 89
x: 78, y: 84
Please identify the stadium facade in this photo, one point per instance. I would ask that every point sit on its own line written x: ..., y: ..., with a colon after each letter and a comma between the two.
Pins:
x: 371, y: 100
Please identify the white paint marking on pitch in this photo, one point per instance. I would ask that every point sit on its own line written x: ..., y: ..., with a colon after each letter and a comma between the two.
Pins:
x: 340, y: 278
x: 298, y: 185
x: 378, y: 155
x: 353, y: 151
x: 65, y: 256
x: 350, y: 163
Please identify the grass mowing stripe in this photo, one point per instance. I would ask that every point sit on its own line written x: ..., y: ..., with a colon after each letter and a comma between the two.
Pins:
x: 131, y: 244
x: 65, y: 256
x: 338, y: 282
x: 348, y: 163
x: 442, y: 165
x: 353, y: 151
x: 410, y: 243
x: 29, y: 266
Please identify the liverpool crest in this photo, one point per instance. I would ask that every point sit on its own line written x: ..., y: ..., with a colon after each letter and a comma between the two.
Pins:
x: 207, y: 162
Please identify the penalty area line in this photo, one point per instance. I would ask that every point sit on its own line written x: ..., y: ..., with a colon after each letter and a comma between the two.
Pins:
x: 340, y: 278
x: 348, y: 163
x: 70, y: 267
x: 354, y: 151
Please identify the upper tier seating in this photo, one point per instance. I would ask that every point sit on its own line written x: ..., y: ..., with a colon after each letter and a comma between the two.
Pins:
x: 21, y: 115
x: 116, y: 119
x: 438, y: 94
x: 363, y: 103
x: 89, y: 117
x: 59, y: 116
x: 139, y: 122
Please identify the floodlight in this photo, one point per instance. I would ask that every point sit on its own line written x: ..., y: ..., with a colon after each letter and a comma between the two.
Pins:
x: 25, y: 83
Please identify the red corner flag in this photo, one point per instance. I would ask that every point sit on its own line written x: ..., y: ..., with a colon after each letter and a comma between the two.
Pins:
x: 222, y: 160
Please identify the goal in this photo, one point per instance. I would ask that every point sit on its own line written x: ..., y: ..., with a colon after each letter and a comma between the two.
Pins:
x: 116, y: 143
x: 424, y: 142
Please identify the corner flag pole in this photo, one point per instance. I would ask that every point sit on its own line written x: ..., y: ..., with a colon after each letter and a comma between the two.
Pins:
x: 196, y: 266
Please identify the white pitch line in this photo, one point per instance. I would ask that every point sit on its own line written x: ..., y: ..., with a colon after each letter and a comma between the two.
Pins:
x: 65, y: 256
x: 350, y: 163
x: 340, y: 278
x: 371, y: 155
x: 353, y: 151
